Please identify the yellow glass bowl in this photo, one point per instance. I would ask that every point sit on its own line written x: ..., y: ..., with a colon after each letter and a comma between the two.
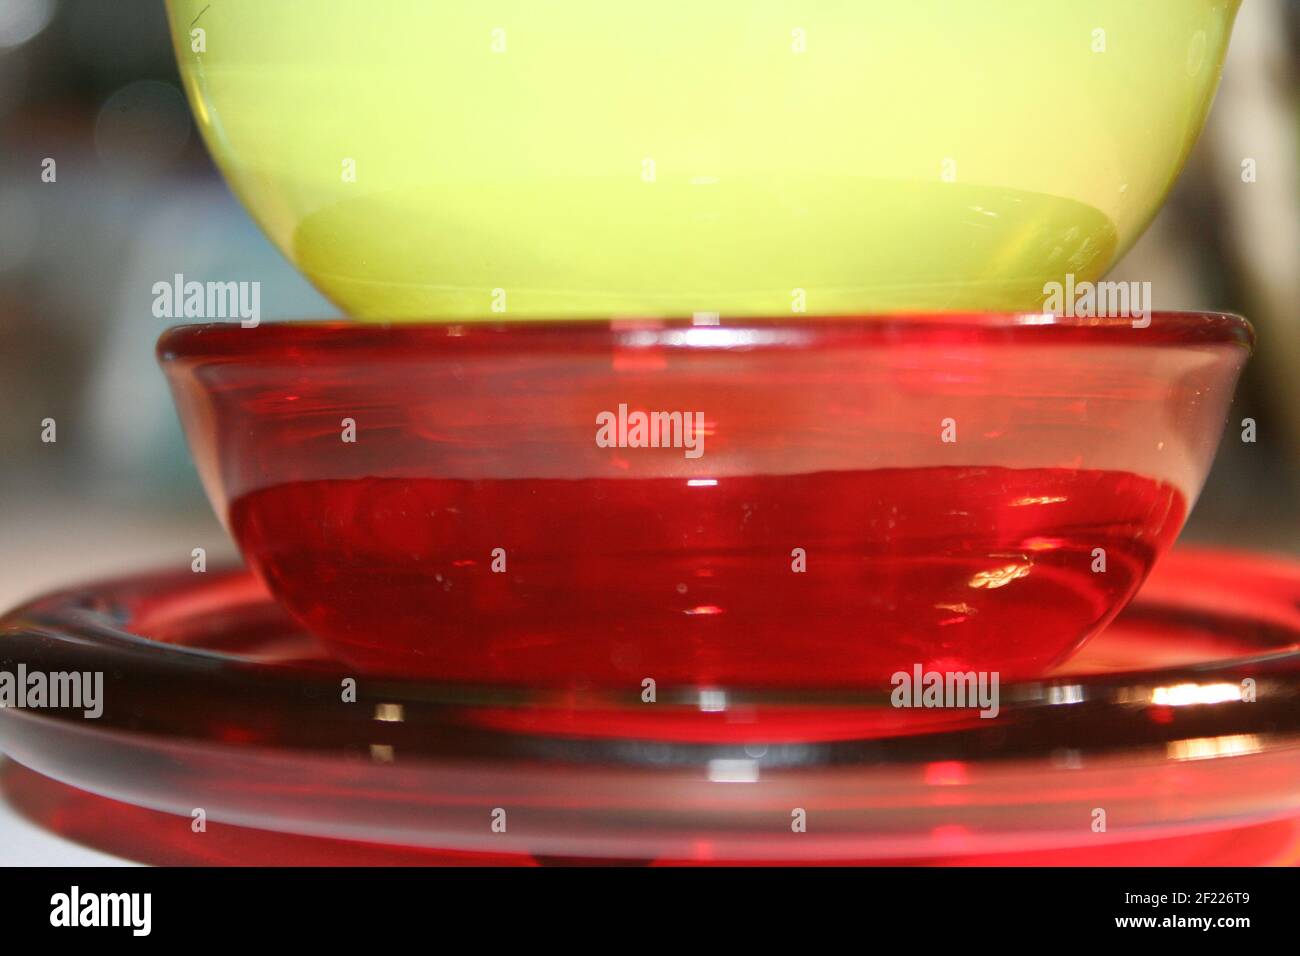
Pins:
x: 579, y: 158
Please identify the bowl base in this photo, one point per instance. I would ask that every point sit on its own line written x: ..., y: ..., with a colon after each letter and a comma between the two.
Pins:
x: 832, y: 579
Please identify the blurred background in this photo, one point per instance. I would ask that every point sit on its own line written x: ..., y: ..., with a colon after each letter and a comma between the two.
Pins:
x: 92, y: 85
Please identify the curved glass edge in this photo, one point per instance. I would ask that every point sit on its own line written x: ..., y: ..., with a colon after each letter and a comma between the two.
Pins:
x: 1145, y: 714
x: 229, y: 340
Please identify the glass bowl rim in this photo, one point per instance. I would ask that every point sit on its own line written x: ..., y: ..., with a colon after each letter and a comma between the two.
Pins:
x: 230, y: 340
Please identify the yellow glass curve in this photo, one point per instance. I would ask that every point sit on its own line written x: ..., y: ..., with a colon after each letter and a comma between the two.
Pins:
x: 510, y: 159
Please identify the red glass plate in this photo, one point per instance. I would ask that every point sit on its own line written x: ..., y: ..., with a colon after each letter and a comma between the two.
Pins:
x: 1180, y: 724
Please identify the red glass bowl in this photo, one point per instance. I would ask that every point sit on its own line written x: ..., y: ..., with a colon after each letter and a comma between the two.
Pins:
x: 795, y: 503
x: 214, y: 697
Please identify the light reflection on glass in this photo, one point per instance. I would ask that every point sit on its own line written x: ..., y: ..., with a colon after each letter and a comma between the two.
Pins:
x: 1065, y: 694
x: 1207, y: 748
x: 999, y: 577
x: 733, y: 771
x: 712, y: 700
x: 1181, y: 695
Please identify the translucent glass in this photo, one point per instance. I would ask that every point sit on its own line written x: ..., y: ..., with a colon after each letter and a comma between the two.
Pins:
x: 963, y: 492
x: 214, y: 698
x: 427, y: 159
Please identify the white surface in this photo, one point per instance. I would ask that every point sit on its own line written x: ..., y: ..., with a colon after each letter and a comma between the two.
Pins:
x: 23, y: 843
